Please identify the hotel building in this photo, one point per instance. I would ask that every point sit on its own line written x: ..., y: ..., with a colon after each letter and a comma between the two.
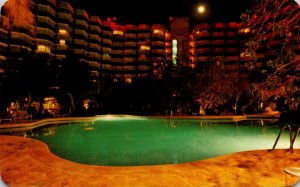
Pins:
x: 119, y: 52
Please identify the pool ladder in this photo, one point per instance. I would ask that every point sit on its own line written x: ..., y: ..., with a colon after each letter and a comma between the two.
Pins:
x: 292, y: 139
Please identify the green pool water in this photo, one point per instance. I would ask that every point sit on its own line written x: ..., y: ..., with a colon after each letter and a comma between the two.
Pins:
x: 133, y: 141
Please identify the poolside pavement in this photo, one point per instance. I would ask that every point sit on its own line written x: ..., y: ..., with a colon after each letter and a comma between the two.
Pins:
x: 26, y: 162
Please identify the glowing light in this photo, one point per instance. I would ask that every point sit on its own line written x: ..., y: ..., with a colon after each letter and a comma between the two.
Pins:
x: 62, y: 32
x: 145, y: 47
x: 174, y: 50
x: 43, y: 48
x: 201, y: 9
x: 62, y: 42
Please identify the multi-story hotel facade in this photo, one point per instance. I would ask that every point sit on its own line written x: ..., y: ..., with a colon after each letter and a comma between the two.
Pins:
x: 120, y: 52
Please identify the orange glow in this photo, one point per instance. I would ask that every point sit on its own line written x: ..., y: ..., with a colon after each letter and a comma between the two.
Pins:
x: 62, y: 32
x: 145, y: 47
x: 156, y: 31
x: 62, y: 42
x: 43, y: 48
x: 201, y: 9
x: 19, y: 11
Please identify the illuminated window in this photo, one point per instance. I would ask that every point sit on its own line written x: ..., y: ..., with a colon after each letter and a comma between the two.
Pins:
x: 246, y: 30
x: 62, y: 32
x: 43, y: 48
x: 116, y: 32
x: 106, y: 54
x: 128, y: 80
x: 174, y: 52
x: 158, y: 31
x: 145, y: 47
x: 62, y: 42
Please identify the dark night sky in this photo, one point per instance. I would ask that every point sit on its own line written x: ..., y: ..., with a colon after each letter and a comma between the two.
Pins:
x: 159, y: 11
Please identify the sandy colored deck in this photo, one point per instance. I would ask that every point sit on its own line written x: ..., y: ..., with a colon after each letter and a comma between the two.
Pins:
x: 28, y: 162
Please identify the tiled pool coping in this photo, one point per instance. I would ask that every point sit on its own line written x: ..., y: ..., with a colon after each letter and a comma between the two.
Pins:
x: 28, y: 162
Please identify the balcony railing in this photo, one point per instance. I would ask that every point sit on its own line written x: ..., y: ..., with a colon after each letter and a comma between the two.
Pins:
x: 95, y: 46
x: 46, y: 20
x: 143, y: 68
x: 158, y: 51
x: 202, y: 42
x: 144, y: 35
x: 130, y: 52
x: 65, y: 6
x: 143, y: 27
x: 203, y: 50
x: 22, y: 37
x: 117, y: 44
x: 217, y: 42
x: 45, y: 31
x: 107, y: 34
x: 94, y: 64
x: 106, y: 58
x: 106, y: 50
x: 202, y: 59
x: 158, y: 43
x: 82, y: 13
x: 94, y: 55
x: 117, y: 59
x: 82, y: 23
x: 130, y: 68
x: 95, y: 37
x: 117, y: 52
x: 130, y: 35
x: 130, y: 44
x: 45, y: 42
x: 65, y: 26
x: 80, y: 52
x: 65, y: 16
x: 81, y: 33
x: 61, y: 47
x: 95, y: 29
x: 129, y: 60
x: 45, y: 8
x: 143, y: 59
x: 80, y: 42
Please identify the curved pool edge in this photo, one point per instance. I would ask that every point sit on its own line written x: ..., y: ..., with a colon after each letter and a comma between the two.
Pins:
x: 30, y: 125
x: 29, y: 162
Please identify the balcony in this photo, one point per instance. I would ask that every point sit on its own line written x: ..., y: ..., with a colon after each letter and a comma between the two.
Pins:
x: 217, y: 42
x: 143, y: 68
x: 144, y: 27
x: 65, y: 16
x: 203, y: 50
x: 94, y: 65
x: 45, y: 32
x: 79, y: 52
x: 82, y: 13
x: 202, y: 59
x: 96, y: 47
x: 106, y: 50
x: 22, y: 37
x: 130, y: 52
x: 130, y: 36
x: 232, y: 50
x: 65, y: 6
x: 120, y: 60
x: 202, y: 34
x: 95, y: 38
x: 130, y: 68
x: 143, y: 35
x: 218, y: 50
x: 107, y: 42
x: 232, y: 42
x: 202, y: 42
x: 107, y: 34
x: 117, y: 52
x: 217, y: 34
x: 143, y: 59
x: 95, y: 20
x: 129, y: 60
x: 46, y: 9
x: 116, y: 68
x: 82, y: 24
x: 94, y: 55
x: 158, y: 36
x: 117, y: 45
x: 130, y: 44
x: 61, y: 47
x: 158, y: 51
x: 106, y: 58
x: 80, y: 42
x: 130, y: 27
x: 95, y: 29
x: 158, y: 43
x: 231, y: 34
x: 45, y: 42
x: 46, y: 20
x: 80, y: 32
x: 65, y: 26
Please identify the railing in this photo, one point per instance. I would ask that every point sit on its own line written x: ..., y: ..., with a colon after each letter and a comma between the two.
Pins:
x: 95, y: 37
x: 82, y: 33
x: 65, y: 16
x: 47, y: 20
x: 82, y: 23
x: 45, y: 31
x: 95, y: 29
x: 46, y: 8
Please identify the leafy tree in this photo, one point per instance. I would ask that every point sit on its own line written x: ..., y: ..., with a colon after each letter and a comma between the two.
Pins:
x: 275, y: 33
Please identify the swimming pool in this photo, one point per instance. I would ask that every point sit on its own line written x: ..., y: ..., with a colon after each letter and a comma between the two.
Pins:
x: 133, y: 141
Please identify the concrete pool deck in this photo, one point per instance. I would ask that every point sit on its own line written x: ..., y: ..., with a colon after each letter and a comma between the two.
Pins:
x: 25, y: 162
